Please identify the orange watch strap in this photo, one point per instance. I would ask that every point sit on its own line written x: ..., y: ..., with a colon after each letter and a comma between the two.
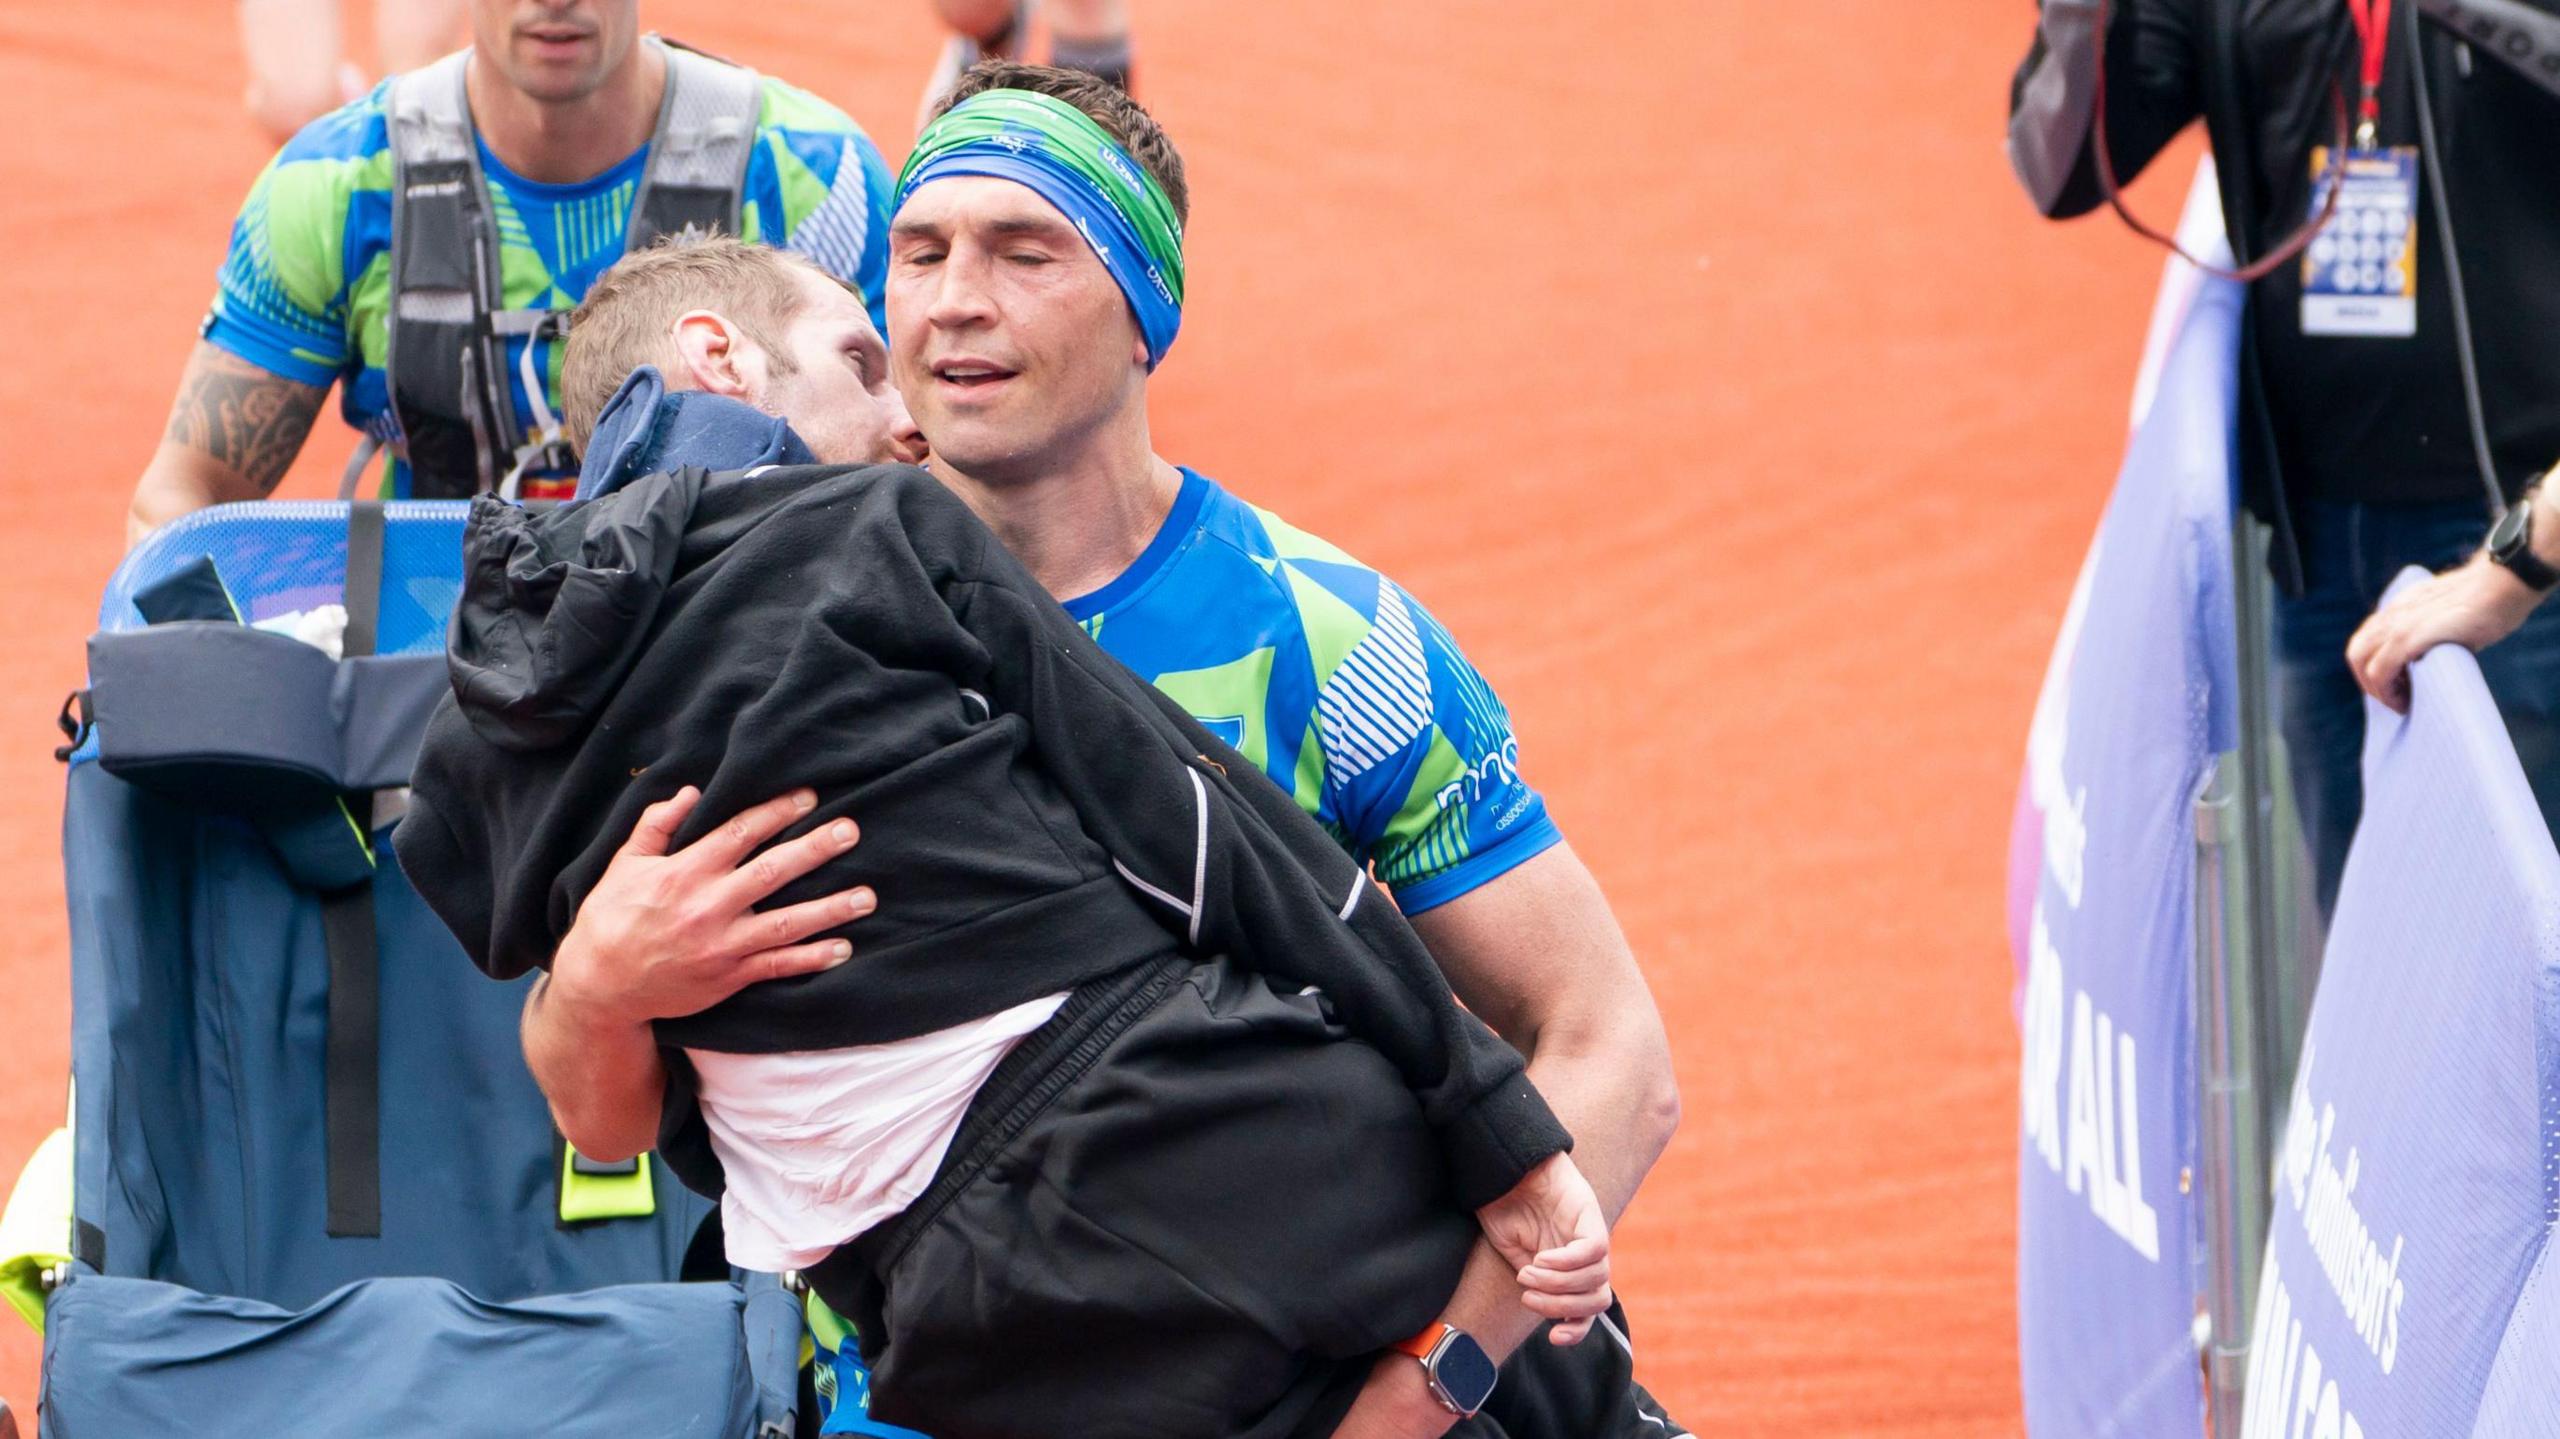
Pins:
x: 1420, y: 1345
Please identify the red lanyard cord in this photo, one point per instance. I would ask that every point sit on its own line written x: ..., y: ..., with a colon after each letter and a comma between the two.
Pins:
x: 2373, y: 36
x: 2295, y: 243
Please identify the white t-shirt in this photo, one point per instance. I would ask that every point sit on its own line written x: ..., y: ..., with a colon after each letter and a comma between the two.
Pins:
x: 819, y: 1145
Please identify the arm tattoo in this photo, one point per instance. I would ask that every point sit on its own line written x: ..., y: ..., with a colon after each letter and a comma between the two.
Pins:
x: 243, y: 416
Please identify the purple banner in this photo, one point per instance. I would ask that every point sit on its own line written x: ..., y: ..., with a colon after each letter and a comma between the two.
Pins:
x: 2414, y: 1190
x: 2136, y: 705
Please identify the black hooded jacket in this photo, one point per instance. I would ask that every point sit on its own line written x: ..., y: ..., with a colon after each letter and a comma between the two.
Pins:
x: 1034, y: 816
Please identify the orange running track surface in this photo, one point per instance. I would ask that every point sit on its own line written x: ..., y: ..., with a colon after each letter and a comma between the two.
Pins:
x: 1696, y: 360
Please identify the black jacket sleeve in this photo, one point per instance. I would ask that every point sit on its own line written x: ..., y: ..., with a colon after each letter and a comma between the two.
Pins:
x: 1234, y: 865
x: 2155, y: 86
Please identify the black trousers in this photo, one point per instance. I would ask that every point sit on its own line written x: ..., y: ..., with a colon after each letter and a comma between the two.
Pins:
x: 1190, y: 1205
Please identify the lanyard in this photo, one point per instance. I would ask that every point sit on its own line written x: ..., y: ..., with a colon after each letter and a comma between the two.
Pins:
x: 2284, y: 251
x: 2373, y: 30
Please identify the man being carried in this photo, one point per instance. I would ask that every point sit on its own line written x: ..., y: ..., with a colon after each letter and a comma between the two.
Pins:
x: 1029, y: 306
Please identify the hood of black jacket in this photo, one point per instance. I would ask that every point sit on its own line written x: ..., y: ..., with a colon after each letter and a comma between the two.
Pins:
x: 554, y: 607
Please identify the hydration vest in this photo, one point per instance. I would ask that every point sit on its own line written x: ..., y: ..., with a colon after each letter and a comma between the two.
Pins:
x: 452, y: 413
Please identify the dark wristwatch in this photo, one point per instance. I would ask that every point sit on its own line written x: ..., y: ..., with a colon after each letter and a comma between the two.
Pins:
x: 2511, y: 545
x: 1460, y: 1373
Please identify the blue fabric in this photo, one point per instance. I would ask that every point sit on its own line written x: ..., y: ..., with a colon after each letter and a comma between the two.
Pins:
x: 2349, y: 552
x: 2414, y: 1191
x: 578, y: 228
x: 2138, y: 702
x: 279, y: 557
x: 208, y: 1290
x: 1113, y: 238
x: 199, y: 990
x: 199, y: 984
x: 849, y: 1405
x: 1346, y: 690
x: 2520, y: 1398
x: 264, y: 727
x: 646, y: 429
x: 400, y: 1357
x: 206, y: 691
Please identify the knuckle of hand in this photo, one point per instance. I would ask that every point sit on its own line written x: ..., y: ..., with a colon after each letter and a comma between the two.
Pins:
x: 696, y: 922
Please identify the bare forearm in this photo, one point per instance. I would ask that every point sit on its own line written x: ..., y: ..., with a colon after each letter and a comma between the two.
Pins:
x: 233, y: 432
x: 177, y: 482
x: 1615, y: 1093
x: 1395, y: 1403
x: 1539, y: 956
x: 1487, y: 1304
x: 1553, y: 1202
x: 603, y: 1077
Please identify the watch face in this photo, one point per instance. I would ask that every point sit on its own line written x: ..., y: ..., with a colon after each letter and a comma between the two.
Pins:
x: 2508, y: 534
x: 1466, y: 1373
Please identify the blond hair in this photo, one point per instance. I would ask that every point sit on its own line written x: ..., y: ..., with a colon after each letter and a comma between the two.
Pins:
x: 628, y: 314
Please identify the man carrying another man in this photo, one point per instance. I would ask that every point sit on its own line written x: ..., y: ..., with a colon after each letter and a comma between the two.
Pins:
x: 1023, y: 343
x: 418, y: 247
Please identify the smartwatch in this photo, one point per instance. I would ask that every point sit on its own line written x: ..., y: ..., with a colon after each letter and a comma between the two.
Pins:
x: 2511, y: 546
x: 1460, y: 1373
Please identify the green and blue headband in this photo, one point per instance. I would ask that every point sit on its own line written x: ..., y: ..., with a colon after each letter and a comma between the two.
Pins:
x: 1056, y: 151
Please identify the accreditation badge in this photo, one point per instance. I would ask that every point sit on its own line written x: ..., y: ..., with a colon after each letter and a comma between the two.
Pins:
x: 2360, y: 275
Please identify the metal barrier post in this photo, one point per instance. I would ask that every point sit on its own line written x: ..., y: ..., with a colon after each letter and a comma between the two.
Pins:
x: 2256, y: 962
x: 2234, y: 1217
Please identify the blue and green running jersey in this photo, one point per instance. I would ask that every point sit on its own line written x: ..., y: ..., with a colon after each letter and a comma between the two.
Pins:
x: 1345, y: 691
x: 306, y: 288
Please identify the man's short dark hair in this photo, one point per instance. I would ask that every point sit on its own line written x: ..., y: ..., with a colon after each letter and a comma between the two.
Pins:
x: 1106, y: 104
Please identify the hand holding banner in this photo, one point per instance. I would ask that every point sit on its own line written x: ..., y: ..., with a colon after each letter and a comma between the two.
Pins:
x: 2412, y: 1192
